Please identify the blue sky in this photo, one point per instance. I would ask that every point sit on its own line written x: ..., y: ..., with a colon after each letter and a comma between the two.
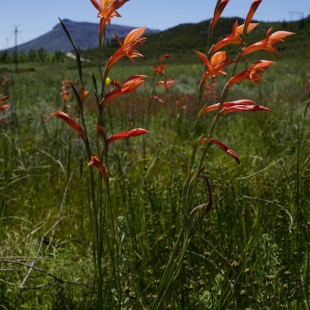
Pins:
x: 34, y: 18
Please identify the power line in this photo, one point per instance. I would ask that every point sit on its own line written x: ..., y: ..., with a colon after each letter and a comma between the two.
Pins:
x: 300, y: 15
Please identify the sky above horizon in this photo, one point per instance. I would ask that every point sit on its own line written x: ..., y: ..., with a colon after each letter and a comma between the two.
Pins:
x: 33, y: 18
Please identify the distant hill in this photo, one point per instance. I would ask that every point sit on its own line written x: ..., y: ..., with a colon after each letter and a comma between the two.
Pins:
x: 84, y: 35
x: 184, y: 39
x: 181, y: 40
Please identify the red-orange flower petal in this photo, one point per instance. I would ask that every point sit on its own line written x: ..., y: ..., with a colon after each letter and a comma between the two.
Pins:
x: 100, y: 131
x: 83, y: 93
x: 217, y: 13
x: 226, y: 149
x: 216, y: 106
x: 64, y: 116
x: 268, y: 43
x: 4, y: 122
x: 160, y: 69
x: 4, y: 81
x: 234, y: 37
x: 251, y: 73
x: 164, y: 57
x: 106, y: 11
x: 115, y: 83
x: 222, y: 146
x: 130, y: 85
x: 251, y: 12
x: 158, y: 99
x: 97, y: 163
x: 244, y: 108
x: 251, y: 26
x: 167, y: 84
x: 3, y: 107
x: 127, y: 134
x: 4, y: 98
x: 215, y: 66
x: 132, y: 41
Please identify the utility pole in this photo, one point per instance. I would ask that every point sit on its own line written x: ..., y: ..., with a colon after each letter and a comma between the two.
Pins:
x: 300, y: 15
x: 16, y: 61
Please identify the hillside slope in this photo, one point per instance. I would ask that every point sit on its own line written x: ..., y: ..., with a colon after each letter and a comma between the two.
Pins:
x: 84, y: 35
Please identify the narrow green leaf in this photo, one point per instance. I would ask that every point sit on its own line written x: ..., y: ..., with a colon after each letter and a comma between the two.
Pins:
x: 210, y: 202
x: 76, y: 52
x: 94, y: 83
x: 77, y: 97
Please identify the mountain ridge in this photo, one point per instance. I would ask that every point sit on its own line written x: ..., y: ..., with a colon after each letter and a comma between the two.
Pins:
x: 56, y: 39
x: 180, y: 40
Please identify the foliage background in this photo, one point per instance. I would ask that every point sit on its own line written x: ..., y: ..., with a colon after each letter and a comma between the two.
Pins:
x: 252, y: 249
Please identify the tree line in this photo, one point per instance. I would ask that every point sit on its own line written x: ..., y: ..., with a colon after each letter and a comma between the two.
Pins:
x: 40, y: 55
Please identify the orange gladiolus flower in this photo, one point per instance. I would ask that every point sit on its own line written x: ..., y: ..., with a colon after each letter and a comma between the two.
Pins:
x: 4, y: 122
x: 160, y: 69
x: 226, y: 149
x: 4, y: 81
x: 234, y: 37
x: 215, y: 67
x: 214, y: 107
x: 217, y: 13
x: 251, y: 12
x: 251, y: 73
x: 65, y: 95
x: 167, y: 84
x: 100, y: 131
x: 132, y: 41
x: 222, y: 146
x: 106, y: 11
x: 127, y: 134
x: 97, y: 163
x: 129, y: 86
x: 4, y: 98
x: 268, y: 42
x: 244, y: 108
x: 3, y: 107
x: 164, y: 57
x: 115, y: 83
x: 158, y: 99
x: 65, y: 89
x: 83, y: 93
x: 64, y: 116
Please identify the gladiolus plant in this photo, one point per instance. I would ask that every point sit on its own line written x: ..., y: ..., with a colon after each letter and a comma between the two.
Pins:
x: 100, y: 205
x: 216, y: 64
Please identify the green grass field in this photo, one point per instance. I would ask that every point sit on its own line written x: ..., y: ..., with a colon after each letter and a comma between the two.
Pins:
x: 251, y: 251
